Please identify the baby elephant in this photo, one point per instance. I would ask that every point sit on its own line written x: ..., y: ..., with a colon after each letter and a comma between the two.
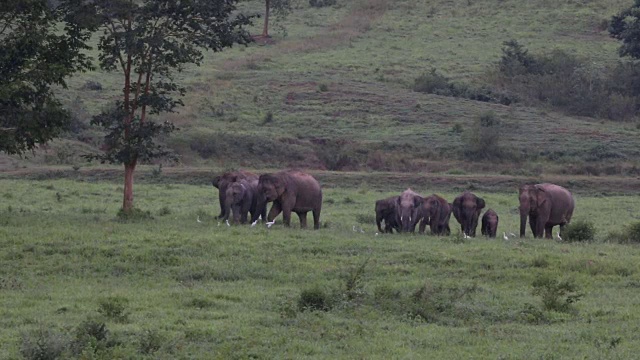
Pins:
x: 489, y: 223
x: 386, y: 210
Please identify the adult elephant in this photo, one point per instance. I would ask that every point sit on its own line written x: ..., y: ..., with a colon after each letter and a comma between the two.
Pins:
x: 387, y: 211
x: 466, y: 209
x: 547, y: 205
x: 242, y: 198
x: 436, y: 212
x: 489, y: 223
x: 409, y: 206
x: 292, y: 191
x: 223, y: 181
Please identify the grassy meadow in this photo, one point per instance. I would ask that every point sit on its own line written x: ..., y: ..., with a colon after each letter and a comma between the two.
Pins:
x: 170, y: 287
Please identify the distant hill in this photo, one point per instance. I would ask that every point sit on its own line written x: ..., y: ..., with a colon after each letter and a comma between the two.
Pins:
x: 336, y: 92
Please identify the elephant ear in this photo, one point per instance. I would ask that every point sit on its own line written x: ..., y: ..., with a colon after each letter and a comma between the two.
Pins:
x: 540, y: 195
x: 279, y: 184
x: 215, y: 182
x: 480, y: 203
x: 417, y: 201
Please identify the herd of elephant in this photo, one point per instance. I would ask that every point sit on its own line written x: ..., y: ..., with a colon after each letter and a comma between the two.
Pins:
x: 242, y: 193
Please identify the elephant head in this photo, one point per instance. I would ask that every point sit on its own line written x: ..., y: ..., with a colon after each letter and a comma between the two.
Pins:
x: 271, y: 187
x: 466, y: 209
x: 530, y: 196
x: 234, y: 197
x: 409, y: 206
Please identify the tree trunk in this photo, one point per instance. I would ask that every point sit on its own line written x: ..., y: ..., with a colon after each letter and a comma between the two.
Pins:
x: 265, y: 30
x: 127, y: 203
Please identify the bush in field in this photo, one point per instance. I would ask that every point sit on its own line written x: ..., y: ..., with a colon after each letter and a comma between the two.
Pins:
x: 114, y: 307
x: 482, y: 140
x: 580, y: 230
x: 433, y: 82
x: 629, y: 234
x: 314, y: 299
x: 43, y: 344
x: 556, y: 295
x: 322, y: 3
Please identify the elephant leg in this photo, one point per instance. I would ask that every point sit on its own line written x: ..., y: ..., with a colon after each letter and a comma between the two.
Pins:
x: 316, y: 219
x: 548, y: 231
x: 303, y: 219
x: 274, y: 212
x: 286, y: 216
x: 423, y: 225
x: 532, y: 224
x: 222, y: 212
x: 540, y: 226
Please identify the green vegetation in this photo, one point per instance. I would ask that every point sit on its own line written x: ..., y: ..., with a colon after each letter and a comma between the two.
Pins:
x: 79, y: 283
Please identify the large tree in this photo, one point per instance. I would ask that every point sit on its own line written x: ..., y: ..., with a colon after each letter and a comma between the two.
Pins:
x: 626, y: 27
x: 146, y: 42
x: 40, y: 46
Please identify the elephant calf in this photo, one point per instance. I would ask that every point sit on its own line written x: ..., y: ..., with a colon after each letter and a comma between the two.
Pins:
x: 489, y: 223
x: 223, y: 181
x: 386, y: 210
x: 466, y: 209
x: 241, y: 198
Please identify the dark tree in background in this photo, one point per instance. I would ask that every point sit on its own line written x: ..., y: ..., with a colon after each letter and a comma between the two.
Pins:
x: 280, y: 8
x: 40, y: 46
x: 146, y: 42
x: 626, y: 27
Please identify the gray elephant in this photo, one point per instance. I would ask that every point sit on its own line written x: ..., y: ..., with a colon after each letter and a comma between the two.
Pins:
x: 242, y: 197
x: 489, y: 223
x: 292, y: 191
x: 386, y: 210
x: 436, y: 213
x: 466, y: 209
x: 409, y: 205
x: 547, y: 205
x: 221, y: 182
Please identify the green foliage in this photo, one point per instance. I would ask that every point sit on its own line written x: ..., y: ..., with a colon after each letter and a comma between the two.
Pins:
x: 556, y: 295
x: 114, y: 308
x: 314, y: 299
x: 134, y: 215
x: 366, y: 219
x: 43, y: 344
x: 624, y: 28
x: 482, y: 139
x: 150, y: 341
x: 577, y: 231
x: 434, y: 83
x: 322, y: 3
x: 36, y: 55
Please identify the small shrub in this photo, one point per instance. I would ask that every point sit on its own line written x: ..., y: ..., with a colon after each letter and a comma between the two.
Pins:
x: 353, y: 283
x: 268, y: 118
x: 91, y: 336
x: 313, y: 299
x: 323, y: 88
x: 540, y: 261
x: 150, y: 341
x: 92, y: 85
x: 165, y: 210
x: 556, y: 295
x: 114, y: 307
x: 532, y: 315
x: 457, y: 129
x: 134, y: 215
x: 632, y: 232
x: 43, y: 344
x: 580, y: 230
x: 348, y: 200
x: 322, y: 3
x: 432, y: 83
x: 482, y: 140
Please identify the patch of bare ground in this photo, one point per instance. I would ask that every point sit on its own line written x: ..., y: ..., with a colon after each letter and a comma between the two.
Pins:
x: 359, y: 20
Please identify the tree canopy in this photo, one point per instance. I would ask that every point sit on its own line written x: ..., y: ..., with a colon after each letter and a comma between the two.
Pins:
x: 40, y: 46
x: 147, y: 42
x: 626, y: 27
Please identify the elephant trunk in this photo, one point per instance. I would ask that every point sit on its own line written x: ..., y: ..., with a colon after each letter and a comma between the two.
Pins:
x: 468, y: 222
x: 523, y: 221
x: 228, y: 204
x: 236, y: 214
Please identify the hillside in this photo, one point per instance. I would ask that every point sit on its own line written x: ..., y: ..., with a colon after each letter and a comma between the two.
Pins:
x: 336, y: 92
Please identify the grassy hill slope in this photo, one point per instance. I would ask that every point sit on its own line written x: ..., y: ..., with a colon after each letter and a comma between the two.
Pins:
x: 336, y: 91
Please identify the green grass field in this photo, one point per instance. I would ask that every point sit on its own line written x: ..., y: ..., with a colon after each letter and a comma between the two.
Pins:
x: 170, y: 287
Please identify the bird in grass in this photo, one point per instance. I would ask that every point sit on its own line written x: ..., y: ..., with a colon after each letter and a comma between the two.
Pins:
x: 218, y: 223
x: 504, y: 236
x: 269, y: 224
x: 512, y: 234
x: 558, y: 236
x: 198, y: 219
x: 227, y: 222
x: 254, y: 223
x: 465, y: 236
